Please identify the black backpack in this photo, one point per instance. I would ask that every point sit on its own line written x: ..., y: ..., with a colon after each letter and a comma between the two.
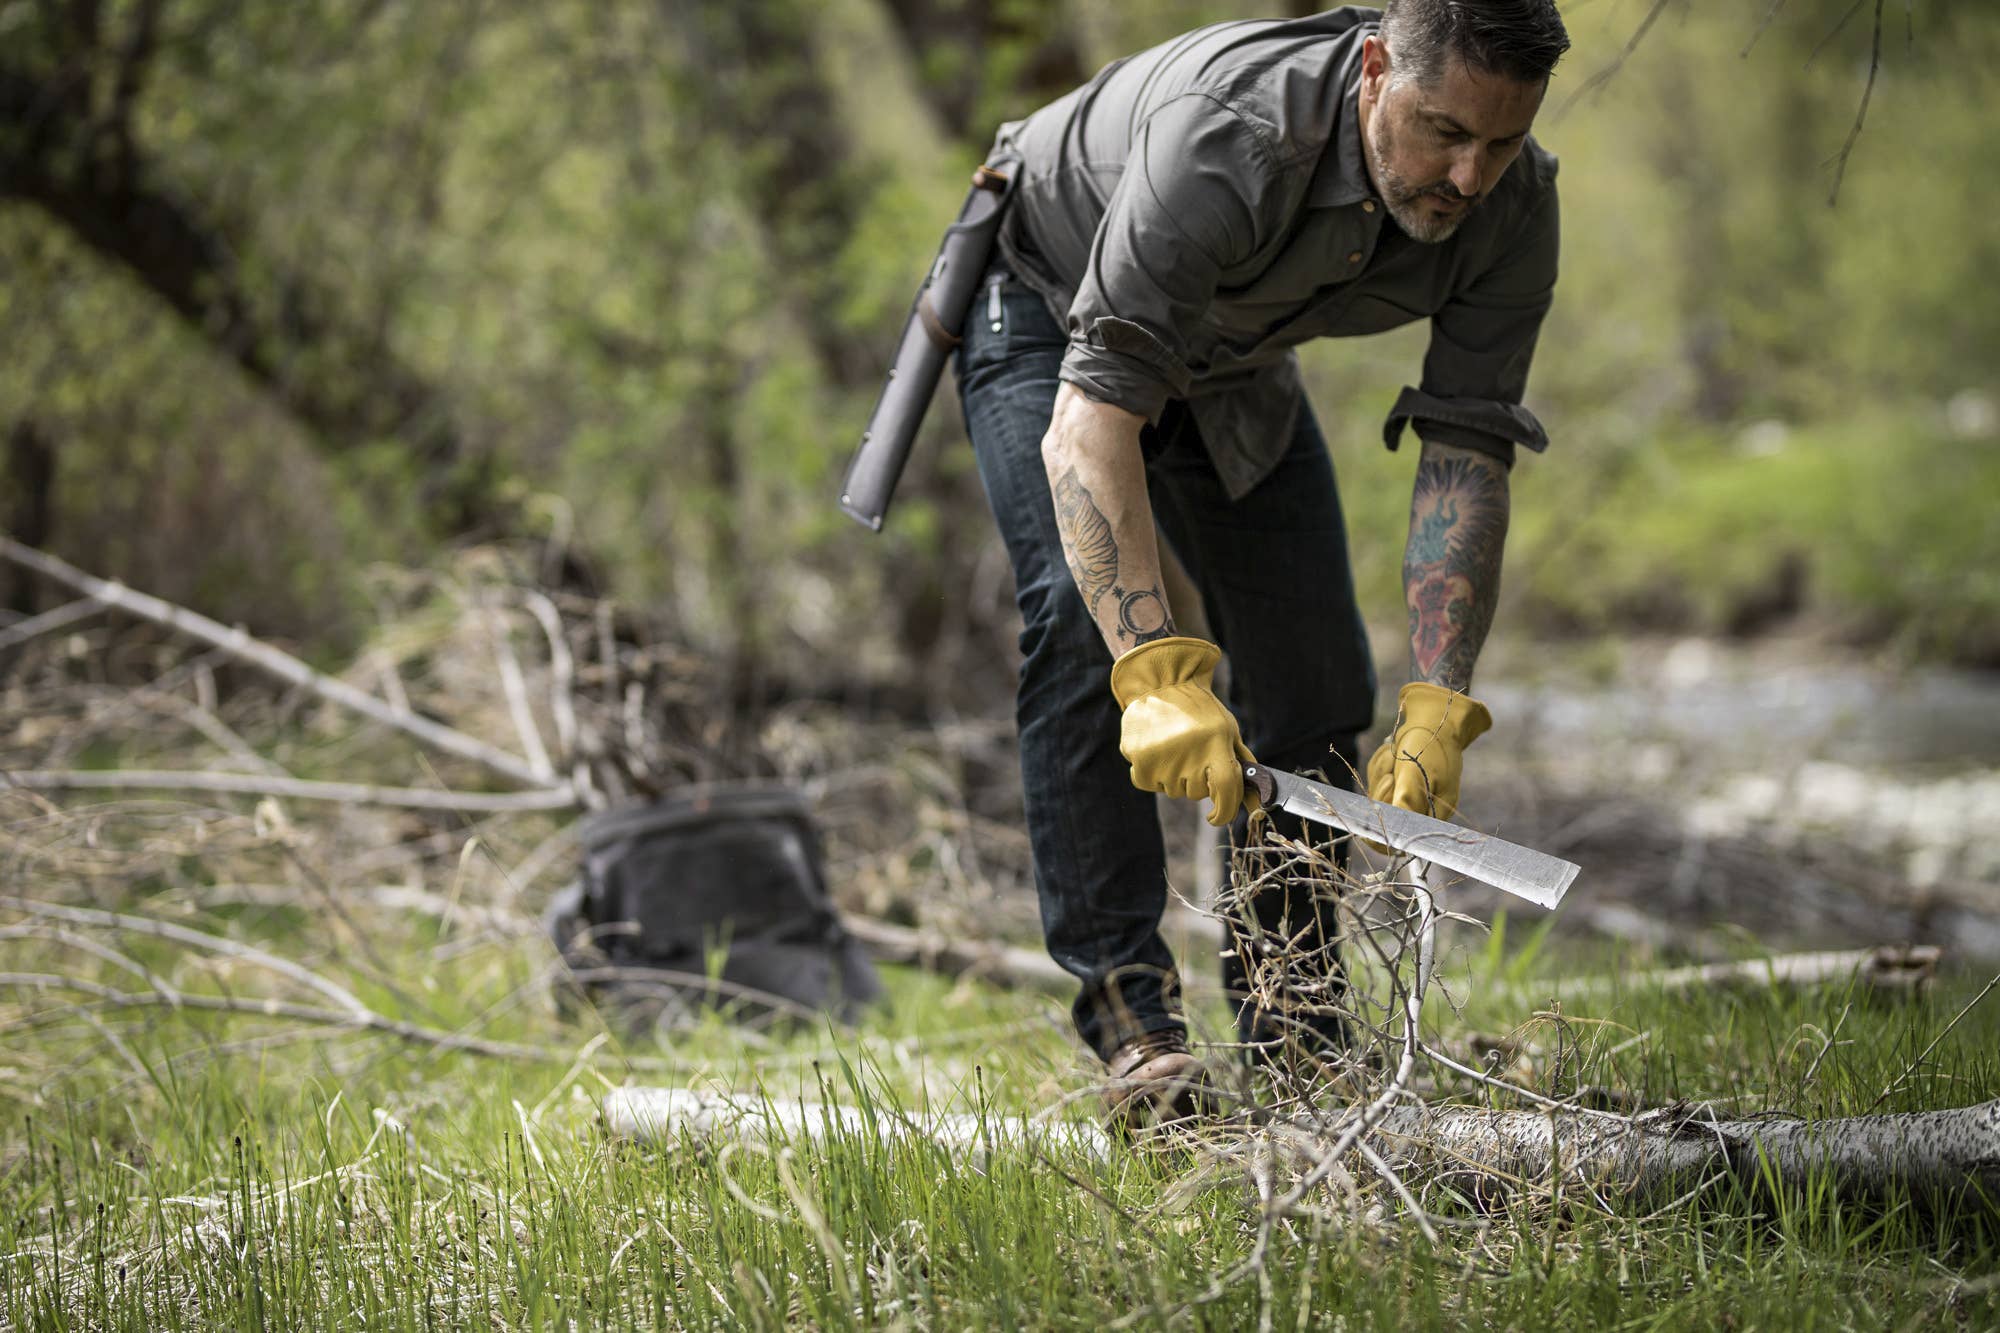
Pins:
x: 732, y: 870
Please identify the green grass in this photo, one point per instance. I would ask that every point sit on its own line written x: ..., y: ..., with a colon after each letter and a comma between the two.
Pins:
x: 168, y: 1169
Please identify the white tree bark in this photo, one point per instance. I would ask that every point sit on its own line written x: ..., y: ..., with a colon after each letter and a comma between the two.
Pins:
x: 669, y: 1115
x: 1928, y: 1155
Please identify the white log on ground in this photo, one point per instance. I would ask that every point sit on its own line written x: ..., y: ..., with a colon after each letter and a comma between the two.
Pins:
x: 668, y: 1116
x: 1888, y: 967
x: 1930, y: 1156
x: 279, y: 663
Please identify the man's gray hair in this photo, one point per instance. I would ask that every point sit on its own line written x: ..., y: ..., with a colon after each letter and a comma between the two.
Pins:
x: 1517, y: 39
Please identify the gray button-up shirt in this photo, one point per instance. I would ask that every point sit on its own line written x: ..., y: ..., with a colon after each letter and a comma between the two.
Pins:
x: 1197, y: 210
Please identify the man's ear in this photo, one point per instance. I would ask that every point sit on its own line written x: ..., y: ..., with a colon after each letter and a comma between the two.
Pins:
x: 1374, y: 66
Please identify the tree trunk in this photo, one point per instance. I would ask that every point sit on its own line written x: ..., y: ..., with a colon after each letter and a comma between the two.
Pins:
x: 980, y: 61
x: 82, y: 164
x: 27, y: 500
x: 758, y: 70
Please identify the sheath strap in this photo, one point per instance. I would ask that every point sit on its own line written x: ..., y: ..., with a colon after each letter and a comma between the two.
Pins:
x: 933, y: 326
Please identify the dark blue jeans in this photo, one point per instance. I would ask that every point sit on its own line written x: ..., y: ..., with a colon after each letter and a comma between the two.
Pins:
x: 1272, y: 569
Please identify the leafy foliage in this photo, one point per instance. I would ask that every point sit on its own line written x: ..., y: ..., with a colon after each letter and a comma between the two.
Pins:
x: 624, y: 273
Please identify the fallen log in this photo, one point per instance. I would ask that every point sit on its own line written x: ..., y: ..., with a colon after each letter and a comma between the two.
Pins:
x: 1889, y: 967
x: 671, y: 1115
x: 1933, y: 1157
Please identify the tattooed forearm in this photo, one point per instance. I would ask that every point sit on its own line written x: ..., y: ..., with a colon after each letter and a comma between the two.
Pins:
x: 1087, y: 541
x: 1091, y: 549
x: 1451, y: 568
x: 1142, y: 615
x: 1097, y: 481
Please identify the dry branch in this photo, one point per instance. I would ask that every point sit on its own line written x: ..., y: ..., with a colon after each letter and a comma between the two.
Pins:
x: 281, y: 664
x: 254, y: 784
x: 68, y: 614
x: 366, y: 1020
x: 929, y: 949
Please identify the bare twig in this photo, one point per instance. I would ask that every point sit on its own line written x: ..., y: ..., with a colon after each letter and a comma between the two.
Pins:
x: 253, y: 784
x: 200, y: 939
x: 1918, y: 1063
x: 562, y: 701
x: 515, y: 689
x: 1763, y: 24
x: 1027, y: 968
x: 1860, y: 112
x: 1835, y: 31
x: 366, y: 1020
x: 1595, y: 83
x: 49, y: 621
x: 203, y: 719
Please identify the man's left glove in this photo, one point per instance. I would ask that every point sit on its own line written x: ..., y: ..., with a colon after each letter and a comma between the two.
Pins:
x: 1418, y: 767
x: 1178, y: 737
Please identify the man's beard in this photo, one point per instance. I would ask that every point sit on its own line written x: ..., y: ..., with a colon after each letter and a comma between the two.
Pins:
x: 1404, y: 200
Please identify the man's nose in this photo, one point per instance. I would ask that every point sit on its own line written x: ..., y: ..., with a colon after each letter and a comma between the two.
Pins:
x: 1465, y: 177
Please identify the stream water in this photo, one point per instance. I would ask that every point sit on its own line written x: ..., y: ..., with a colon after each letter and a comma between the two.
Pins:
x: 1781, y: 747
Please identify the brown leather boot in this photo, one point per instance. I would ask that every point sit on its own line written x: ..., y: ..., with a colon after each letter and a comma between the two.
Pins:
x: 1154, y: 1079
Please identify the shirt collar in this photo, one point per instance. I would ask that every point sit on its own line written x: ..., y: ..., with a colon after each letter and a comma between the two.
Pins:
x: 1341, y: 178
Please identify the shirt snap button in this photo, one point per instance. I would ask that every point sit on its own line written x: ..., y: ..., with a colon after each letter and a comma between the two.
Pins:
x: 1368, y: 205
x: 1354, y: 258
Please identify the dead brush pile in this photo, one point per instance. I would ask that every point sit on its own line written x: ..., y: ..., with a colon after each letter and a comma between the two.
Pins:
x: 156, y: 763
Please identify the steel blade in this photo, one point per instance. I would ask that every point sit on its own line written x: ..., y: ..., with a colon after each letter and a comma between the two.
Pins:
x: 1522, y: 871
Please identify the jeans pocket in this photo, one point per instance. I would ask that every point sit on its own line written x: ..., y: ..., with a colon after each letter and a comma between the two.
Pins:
x: 986, y: 323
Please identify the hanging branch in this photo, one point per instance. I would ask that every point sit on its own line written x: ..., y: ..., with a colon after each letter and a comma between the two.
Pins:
x: 281, y: 664
x: 1860, y: 112
x: 1595, y: 83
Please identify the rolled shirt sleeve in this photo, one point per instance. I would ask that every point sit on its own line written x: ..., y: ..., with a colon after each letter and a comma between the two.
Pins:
x: 1482, y: 343
x: 1190, y: 204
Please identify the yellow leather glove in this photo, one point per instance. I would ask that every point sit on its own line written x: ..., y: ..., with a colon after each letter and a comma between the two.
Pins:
x: 1176, y: 734
x: 1418, y: 767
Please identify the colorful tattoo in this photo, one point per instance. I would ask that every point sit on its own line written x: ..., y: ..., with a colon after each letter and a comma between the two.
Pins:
x: 1451, y: 568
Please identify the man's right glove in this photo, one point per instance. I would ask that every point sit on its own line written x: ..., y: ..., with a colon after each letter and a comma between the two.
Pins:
x: 1177, y: 735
